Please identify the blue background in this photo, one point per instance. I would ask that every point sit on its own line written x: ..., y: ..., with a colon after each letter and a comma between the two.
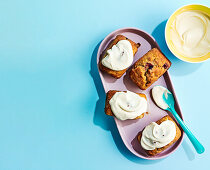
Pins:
x: 51, y: 97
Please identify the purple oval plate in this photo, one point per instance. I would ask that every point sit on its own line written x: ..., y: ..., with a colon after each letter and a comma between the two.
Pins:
x: 130, y: 128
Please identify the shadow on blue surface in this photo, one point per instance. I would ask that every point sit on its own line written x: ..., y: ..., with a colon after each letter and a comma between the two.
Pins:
x: 107, y: 122
x: 188, y: 150
x: 179, y: 67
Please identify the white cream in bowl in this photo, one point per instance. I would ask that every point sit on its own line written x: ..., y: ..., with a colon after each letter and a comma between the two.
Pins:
x: 190, y: 34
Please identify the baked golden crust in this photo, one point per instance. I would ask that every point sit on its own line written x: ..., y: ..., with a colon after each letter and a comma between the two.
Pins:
x: 117, y: 74
x: 149, y: 68
x: 158, y: 150
x: 108, y: 109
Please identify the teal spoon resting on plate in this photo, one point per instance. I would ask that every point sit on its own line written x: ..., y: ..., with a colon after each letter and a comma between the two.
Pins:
x: 169, y: 99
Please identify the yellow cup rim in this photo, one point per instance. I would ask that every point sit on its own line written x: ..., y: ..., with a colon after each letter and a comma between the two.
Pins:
x: 198, y: 7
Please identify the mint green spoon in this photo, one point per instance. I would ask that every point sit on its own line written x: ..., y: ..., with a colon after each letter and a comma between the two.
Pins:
x: 170, y: 101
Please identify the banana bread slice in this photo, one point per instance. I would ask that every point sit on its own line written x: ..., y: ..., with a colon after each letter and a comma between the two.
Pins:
x: 114, y: 73
x: 149, y: 68
x: 110, y: 94
x: 159, y: 150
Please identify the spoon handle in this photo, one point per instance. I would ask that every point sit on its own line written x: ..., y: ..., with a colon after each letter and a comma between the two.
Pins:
x: 197, y: 145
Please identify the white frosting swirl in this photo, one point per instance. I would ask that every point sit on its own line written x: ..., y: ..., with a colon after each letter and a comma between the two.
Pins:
x: 190, y: 34
x: 119, y: 57
x: 128, y: 105
x: 157, y: 136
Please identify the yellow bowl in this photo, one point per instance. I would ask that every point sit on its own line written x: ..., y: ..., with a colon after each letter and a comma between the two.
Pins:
x: 201, y: 8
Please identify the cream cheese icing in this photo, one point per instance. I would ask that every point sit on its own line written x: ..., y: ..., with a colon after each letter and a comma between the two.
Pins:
x: 119, y: 57
x: 157, y: 136
x: 128, y: 105
x: 157, y: 94
x: 190, y: 34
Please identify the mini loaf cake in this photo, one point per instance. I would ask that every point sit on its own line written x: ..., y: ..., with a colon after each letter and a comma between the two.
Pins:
x: 126, y: 105
x: 149, y: 68
x: 118, y: 56
x: 158, y: 136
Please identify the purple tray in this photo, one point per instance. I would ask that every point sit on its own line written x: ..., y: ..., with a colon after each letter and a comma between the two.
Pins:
x: 129, y: 129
